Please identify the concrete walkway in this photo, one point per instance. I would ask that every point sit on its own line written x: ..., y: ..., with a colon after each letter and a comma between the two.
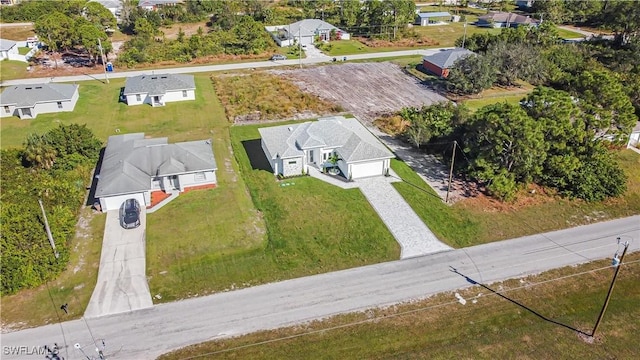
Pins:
x: 413, y: 236
x: 122, y: 282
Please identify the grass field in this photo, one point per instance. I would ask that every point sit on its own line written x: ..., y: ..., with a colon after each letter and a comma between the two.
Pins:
x: 350, y: 47
x: 487, y: 327
x: 567, y: 34
x: 12, y: 69
x: 446, y: 35
x: 481, y: 220
x: 475, y: 104
x: 17, y: 33
x: 38, y: 306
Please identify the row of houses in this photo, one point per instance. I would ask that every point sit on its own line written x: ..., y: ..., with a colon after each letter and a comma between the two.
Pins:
x: 27, y: 101
x: 493, y: 19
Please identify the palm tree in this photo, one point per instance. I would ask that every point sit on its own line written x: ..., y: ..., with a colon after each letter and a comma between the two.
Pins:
x: 39, y: 152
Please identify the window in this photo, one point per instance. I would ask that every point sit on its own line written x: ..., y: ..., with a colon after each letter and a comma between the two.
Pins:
x: 184, y: 93
x: 59, y: 105
x: 325, y: 156
x: 138, y: 98
x: 293, y: 162
x: 6, y: 109
x: 199, y: 176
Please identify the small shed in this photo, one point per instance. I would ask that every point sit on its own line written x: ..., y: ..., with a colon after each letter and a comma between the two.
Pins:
x: 432, y: 18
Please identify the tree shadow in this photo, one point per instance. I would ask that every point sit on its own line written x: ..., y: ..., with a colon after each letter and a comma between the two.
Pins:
x: 534, y: 312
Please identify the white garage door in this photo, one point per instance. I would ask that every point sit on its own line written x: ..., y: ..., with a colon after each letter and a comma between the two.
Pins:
x: 366, y: 169
x: 114, y: 202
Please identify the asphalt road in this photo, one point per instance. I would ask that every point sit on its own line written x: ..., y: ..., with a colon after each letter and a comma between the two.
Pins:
x: 148, y: 333
x: 222, y: 67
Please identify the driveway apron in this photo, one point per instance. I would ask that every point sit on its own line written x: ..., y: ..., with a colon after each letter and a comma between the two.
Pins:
x: 414, y: 237
x: 122, y: 283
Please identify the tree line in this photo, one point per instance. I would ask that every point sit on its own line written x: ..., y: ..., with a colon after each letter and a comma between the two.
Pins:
x: 53, y: 167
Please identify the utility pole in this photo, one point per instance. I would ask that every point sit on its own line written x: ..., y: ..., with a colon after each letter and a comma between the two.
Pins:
x: 464, y: 37
x: 104, y: 65
x: 453, y: 158
x: 618, y: 264
x: 46, y: 226
x: 300, y: 46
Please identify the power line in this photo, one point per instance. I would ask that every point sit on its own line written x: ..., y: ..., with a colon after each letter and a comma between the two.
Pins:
x: 378, y: 318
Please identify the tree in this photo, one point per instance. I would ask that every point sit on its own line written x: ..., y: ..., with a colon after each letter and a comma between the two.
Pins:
x: 504, y: 143
x: 471, y: 75
x: 99, y: 16
x: 74, y: 139
x: 56, y: 30
x: 552, y: 10
x: 39, y: 152
x: 89, y: 35
x: 516, y: 61
x: 623, y: 18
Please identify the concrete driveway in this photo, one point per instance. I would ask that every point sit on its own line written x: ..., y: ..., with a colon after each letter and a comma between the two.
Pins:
x: 122, y: 282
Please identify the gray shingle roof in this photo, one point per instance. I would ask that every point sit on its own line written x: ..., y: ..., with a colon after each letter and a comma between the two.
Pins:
x: 29, y: 95
x: 307, y: 27
x: 446, y: 58
x: 6, y: 45
x: 350, y: 138
x: 505, y: 17
x: 130, y: 162
x: 158, y: 84
x: 433, y: 14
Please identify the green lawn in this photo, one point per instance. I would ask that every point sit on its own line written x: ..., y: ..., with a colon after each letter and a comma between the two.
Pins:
x: 475, y: 104
x: 12, y: 69
x: 567, y: 34
x: 489, y: 327
x: 446, y: 35
x: 478, y: 221
x: 350, y: 47
x: 23, y: 50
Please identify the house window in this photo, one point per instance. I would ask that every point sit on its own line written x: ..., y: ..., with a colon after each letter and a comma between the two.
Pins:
x: 138, y: 98
x: 59, y: 105
x: 6, y: 109
x: 325, y: 156
x: 184, y: 93
x: 199, y: 176
x: 292, y: 162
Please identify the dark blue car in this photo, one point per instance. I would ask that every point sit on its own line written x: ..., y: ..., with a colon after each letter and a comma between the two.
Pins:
x: 130, y: 214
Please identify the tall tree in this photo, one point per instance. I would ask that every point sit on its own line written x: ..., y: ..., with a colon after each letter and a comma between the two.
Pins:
x: 99, y: 16
x: 471, y: 75
x: 39, y: 152
x: 623, y: 18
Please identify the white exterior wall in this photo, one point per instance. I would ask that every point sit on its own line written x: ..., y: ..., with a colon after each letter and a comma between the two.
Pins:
x: 8, y: 53
x: 12, y: 111
x: 131, y: 99
x: 291, y: 166
x: 360, y: 170
x: 634, y: 139
x: 52, y: 107
x: 177, y: 96
x: 345, y: 36
x: 344, y: 168
x: 114, y: 202
x: 188, y: 180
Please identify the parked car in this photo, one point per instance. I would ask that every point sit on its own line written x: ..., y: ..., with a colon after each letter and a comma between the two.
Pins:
x: 278, y: 57
x: 130, y: 214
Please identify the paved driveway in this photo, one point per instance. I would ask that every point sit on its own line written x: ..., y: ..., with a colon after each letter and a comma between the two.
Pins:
x: 122, y: 282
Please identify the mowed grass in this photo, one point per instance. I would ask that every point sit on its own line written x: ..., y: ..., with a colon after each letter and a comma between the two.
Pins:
x: 41, y: 305
x: 99, y: 109
x: 12, y: 69
x: 265, y: 96
x: 446, y: 35
x: 350, y: 47
x: 475, y: 104
x: 568, y: 34
x: 489, y: 327
x: 480, y: 220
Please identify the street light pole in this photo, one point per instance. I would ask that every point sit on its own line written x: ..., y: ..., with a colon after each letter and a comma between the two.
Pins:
x: 618, y: 264
x: 46, y: 226
x: 104, y: 65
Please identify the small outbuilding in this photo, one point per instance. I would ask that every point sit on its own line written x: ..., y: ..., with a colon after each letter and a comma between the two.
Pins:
x: 27, y: 101
x: 432, y: 18
x: 440, y: 62
x: 7, y: 48
x: 157, y: 90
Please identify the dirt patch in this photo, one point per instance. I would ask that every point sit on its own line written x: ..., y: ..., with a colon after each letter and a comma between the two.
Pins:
x: 171, y: 33
x: 368, y: 90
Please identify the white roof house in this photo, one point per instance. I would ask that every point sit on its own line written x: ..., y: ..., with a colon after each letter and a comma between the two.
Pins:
x: 157, y: 90
x: 134, y: 166
x: 7, y: 47
x: 292, y: 149
x: 304, y: 32
x: 27, y: 101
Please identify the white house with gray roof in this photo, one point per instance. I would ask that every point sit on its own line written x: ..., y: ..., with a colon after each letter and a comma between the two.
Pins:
x: 134, y: 166
x: 304, y: 32
x: 8, y: 48
x: 157, y: 90
x: 27, y: 101
x: 291, y: 149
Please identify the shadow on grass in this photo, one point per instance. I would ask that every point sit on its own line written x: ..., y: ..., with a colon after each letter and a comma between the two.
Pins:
x: 257, y: 158
x: 473, y: 282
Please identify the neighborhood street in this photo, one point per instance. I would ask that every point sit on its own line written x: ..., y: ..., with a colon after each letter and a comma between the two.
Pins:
x: 147, y: 333
x: 224, y: 67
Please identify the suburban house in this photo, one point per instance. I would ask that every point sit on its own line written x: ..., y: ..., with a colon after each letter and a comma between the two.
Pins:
x: 634, y: 137
x: 157, y: 90
x: 440, y: 62
x: 134, y: 166
x: 304, y: 32
x: 432, y: 18
x: 114, y: 6
x: 505, y: 20
x: 152, y: 5
x: 331, y: 142
x: 27, y: 101
x: 7, y: 48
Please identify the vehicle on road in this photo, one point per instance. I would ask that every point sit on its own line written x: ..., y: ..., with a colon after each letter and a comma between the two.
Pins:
x: 130, y: 214
x: 278, y: 57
